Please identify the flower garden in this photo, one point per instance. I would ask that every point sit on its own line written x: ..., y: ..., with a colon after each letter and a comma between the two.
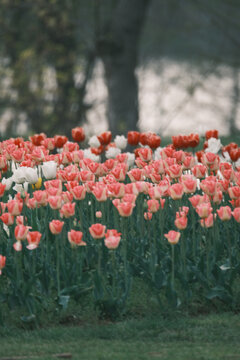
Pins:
x: 82, y: 217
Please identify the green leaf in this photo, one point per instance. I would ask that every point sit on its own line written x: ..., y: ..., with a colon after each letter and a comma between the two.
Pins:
x: 63, y: 301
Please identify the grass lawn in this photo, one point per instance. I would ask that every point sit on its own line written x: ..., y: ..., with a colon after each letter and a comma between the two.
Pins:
x: 210, y: 337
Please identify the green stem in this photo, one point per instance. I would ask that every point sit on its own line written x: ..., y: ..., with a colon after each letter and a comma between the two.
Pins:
x: 172, y: 278
x: 58, y: 265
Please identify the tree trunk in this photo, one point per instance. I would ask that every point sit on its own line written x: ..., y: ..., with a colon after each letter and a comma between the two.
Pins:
x: 119, y: 52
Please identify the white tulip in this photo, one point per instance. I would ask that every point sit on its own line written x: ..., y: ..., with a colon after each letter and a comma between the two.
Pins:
x: 49, y: 169
x: 130, y: 159
x: 89, y: 155
x: 157, y: 153
x: 8, y: 182
x: 19, y: 176
x: 214, y: 145
x: 31, y: 175
x: 94, y: 142
x: 18, y: 188
x: 120, y: 141
x: 112, y: 152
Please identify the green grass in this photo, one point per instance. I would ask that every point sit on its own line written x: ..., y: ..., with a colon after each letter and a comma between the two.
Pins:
x: 210, y: 337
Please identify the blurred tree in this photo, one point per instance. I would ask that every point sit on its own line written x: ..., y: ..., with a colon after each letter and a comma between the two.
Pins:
x: 40, y: 39
x: 118, y: 45
x: 48, y: 50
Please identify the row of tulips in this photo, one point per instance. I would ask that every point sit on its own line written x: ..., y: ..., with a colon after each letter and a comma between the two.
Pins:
x: 73, y: 224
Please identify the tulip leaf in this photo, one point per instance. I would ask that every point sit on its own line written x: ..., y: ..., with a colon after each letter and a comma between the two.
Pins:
x: 63, y: 301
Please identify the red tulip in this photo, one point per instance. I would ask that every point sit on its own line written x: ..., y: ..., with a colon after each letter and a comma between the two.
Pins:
x: 78, y: 134
x: 75, y: 238
x: 55, y: 202
x: 173, y: 237
x: 211, y: 134
x: 97, y: 230
x: 60, y: 140
x: 33, y: 239
x: 153, y: 205
x: 67, y: 210
x: 181, y: 222
x: 2, y: 263
x: 37, y: 139
x: 79, y: 192
x: 21, y: 232
x: 112, y: 242
x: 15, y: 207
x: 125, y: 208
x: 204, y: 210
x: 236, y: 214
x: 56, y: 226
x: 207, y: 222
x: 133, y: 137
x: 7, y: 219
x: 105, y: 138
x: 224, y: 213
x: 176, y: 191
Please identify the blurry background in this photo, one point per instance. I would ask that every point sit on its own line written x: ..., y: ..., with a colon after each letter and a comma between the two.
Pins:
x: 171, y: 66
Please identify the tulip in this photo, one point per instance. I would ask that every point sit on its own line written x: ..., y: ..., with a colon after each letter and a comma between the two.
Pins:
x: 211, y: 134
x: 112, y: 152
x: 97, y: 230
x: 75, y: 238
x: 17, y: 246
x: 204, y: 210
x: 147, y: 216
x: 174, y: 171
x: 173, y: 237
x: 189, y: 184
x: 15, y: 207
x: 125, y: 208
x: 2, y: 189
x: 37, y: 139
x: 98, y: 214
x: 209, y: 186
x: 236, y: 214
x: 153, y: 205
x: 199, y: 171
x: 55, y: 202
x: 48, y: 143
x: 2, y: 263
x: 121, y: 142
x: 100, y: 192
x: 21, y: 232
x: 176, y: 191
x: 105, y: 137
x: 119, y: 173
x: 181, y: 222
x: 60, y: 140
x: 8, y: 182
x: 133, y: 137
x: 33, y: 239
x: 41, y: 197
x: 7, y: 219
x: 207, y: 222
x: 112, y: 242
x: 116, y: 190
x: 224, y: 213
x: 18, y: 155
x: 67, y: 210
x: 78, y: 134
x: 56, y: 226
x: 79, y: 192
x: 234, y: 192
x: 49, y: 169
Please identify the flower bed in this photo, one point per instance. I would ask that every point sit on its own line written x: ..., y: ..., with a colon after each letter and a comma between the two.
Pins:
x: 75, y: 221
